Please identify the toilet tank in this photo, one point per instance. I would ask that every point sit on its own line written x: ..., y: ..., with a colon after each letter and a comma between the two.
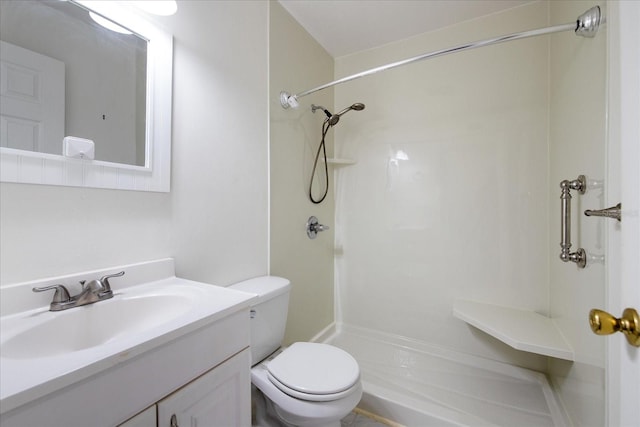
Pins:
x: 268, y: 313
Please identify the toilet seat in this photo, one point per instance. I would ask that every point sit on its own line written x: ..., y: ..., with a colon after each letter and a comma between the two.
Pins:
x: 314, y: 372
x: 307, y: 396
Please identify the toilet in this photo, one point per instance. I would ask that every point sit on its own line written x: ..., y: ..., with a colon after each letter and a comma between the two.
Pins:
x: 305, y: 384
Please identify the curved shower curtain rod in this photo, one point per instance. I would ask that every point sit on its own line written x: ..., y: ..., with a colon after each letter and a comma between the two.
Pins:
x: 586, y: 25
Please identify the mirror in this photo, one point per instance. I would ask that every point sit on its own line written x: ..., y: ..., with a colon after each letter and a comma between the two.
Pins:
x: 73, y: 55
x: 100, y: 85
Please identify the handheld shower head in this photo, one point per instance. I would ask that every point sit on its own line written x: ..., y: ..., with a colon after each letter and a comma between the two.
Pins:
x: 329, y: 122
x: 335, y: 118
x: 358, y: 106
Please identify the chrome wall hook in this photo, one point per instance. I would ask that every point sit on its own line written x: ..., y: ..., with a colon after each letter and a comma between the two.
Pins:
x: 612, y: 212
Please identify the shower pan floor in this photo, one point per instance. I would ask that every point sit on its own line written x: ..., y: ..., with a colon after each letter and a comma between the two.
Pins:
x: 414, y: 384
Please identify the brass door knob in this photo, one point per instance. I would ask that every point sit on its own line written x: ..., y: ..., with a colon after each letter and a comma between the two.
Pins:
x: 602, y: 323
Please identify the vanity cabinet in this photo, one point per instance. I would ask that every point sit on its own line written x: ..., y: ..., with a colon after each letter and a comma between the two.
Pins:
x: 146, y: 418
x: 220, y: 397
x: 204, y: 373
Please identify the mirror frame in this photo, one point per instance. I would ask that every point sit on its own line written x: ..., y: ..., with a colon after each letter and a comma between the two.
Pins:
x: 27, y: 167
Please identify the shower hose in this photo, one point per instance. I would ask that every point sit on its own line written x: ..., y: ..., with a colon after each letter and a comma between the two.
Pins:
x: 321, y: 148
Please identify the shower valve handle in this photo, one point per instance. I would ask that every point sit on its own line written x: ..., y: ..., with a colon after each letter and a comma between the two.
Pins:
x: 320, y: 227
x: 314, y: 227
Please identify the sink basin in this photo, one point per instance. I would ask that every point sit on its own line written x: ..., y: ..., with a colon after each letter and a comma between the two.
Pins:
x: 95, y: 324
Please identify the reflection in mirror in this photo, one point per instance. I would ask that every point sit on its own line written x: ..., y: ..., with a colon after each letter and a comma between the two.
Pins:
x: 63, y: 74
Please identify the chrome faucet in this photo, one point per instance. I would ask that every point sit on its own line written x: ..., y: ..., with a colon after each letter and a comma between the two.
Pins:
x: 94, y: 291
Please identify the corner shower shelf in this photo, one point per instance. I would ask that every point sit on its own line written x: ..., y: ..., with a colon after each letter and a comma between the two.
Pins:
x: 341, y: 162
x: 521, y: 329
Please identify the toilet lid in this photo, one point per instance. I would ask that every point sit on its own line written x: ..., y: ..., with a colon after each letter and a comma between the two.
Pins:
x: 314, y: 368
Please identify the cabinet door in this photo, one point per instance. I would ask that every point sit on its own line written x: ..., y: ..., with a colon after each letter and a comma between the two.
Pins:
x: 146, y: 418
x: 219, y: 398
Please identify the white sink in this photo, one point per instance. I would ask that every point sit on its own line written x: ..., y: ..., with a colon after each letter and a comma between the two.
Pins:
x: 96, y: 324
x: 57, y: 349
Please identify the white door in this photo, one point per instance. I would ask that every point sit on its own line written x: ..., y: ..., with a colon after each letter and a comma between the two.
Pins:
x: 623, y: 282
x: 31, y: 100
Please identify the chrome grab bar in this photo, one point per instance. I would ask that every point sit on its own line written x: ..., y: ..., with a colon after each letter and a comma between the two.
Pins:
x: 579, y: 256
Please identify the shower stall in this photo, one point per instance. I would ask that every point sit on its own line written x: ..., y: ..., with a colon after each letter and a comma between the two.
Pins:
x: 447, y: 188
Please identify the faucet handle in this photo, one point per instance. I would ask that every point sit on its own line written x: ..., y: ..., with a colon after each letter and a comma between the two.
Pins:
x: 61, y: 295
x: 105, y: 281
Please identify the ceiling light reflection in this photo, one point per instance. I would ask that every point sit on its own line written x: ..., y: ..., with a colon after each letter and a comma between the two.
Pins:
x: 157, y: 7
x: 110, y: 25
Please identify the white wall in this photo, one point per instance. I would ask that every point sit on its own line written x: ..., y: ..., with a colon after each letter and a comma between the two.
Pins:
x: 465, y: 215
x: 220, y: 160
x: 214, y: 220
x: 298, y: 62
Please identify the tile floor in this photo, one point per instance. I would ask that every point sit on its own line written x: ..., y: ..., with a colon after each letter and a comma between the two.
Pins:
x: 358, y: 419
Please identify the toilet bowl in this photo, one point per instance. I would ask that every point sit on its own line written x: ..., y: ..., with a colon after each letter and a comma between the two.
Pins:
x: 310, y: 384
x: 305, y: 384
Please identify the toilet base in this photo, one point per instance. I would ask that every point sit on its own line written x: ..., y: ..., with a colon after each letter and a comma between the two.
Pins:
x: 264, y: 413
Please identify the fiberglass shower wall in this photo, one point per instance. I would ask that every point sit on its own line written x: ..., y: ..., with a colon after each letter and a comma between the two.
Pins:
x: 448, y: 198
x: 455, y: 191
x: 577, y: 143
